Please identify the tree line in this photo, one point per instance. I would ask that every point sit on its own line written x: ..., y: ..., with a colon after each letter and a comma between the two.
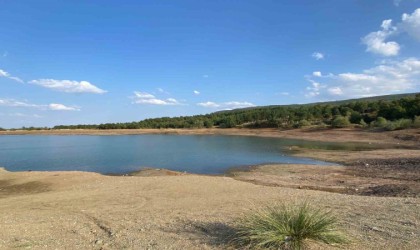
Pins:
x: 389, y: 114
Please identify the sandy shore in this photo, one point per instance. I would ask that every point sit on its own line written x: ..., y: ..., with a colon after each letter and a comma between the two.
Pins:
x: 68, y: 210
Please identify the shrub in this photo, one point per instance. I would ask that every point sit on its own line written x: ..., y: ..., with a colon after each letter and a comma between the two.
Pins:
x: 301, y: 123
x: 399, y: 124
x: 355, y: 117
x: 416, y: 122
x: 363, y: 123
x: 304, y: 123
x: 340, y: 122
x: 380, y: 122
x: 208, y: 123
x: 287, y: 227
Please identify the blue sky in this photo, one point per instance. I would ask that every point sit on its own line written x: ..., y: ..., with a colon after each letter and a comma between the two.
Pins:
x: 83, y: 62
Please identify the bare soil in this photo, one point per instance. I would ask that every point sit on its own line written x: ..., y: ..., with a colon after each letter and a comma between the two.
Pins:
x: 169, y: 210
x: 374, y: 179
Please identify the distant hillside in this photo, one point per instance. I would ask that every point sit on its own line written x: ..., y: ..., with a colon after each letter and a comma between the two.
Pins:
x: 371, y: 98
x: 388, y: 112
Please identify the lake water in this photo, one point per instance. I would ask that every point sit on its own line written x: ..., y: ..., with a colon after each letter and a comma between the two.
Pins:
x: 203, y: 154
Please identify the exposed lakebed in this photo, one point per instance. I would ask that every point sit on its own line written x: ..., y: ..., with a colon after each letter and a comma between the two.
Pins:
x: 202, y: 154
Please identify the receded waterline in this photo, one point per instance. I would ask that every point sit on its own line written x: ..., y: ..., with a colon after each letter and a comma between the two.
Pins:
x: 119, y: 154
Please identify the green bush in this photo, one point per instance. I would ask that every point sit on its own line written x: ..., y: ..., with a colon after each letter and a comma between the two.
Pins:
x: 355, y: 117
x: 363, y: 123
x: 287, y: 227
x: 399, y: 124
x: 340, y: 122
x: 304, y: 123
x: 416, y: 122
x: 380, y: 122
x: 301, y: 123
x: 208, y: 123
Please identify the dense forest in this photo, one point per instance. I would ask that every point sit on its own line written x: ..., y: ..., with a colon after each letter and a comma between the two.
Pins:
x: 389, y: 112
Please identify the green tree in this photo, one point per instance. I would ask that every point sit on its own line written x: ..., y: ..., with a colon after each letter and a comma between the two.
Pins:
x: 340, y: 122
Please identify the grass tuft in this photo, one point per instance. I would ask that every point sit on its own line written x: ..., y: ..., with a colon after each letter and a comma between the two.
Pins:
x: 287, y: 227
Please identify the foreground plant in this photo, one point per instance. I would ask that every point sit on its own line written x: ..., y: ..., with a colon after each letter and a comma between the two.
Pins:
x: 287, y: 227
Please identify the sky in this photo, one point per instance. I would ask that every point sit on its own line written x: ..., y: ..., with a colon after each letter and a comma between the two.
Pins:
x: 99, y: 61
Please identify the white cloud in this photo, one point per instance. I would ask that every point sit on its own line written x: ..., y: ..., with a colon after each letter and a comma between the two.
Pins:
x: 237, y: 105
x: 7, y: 75
x: 411, y: 24
x: 57, y: 106
x: 352, y: 77
x: 318, y: 55
x: 314, y: 89
x: 208, y: 104
x: 226, y: 105
x: 68, y: 86
x: 386, y: 24
x: 15, y: 103
x: 24, y: 104
x: 196, y: 92
x: 317, y: 73
x: 284, y: 93
x: 376, y: 41
x: 143, y: 95
x: 335, y: 91
x: 390, y: 77
x: 146, y: 98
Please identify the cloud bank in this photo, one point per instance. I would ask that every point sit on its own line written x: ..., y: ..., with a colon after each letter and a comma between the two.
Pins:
x: 147, y: 98
x: 376, y: 42
x: 225, y: 105
x: 24, y: 104
x: 68, y: 86
x: 390, y: 77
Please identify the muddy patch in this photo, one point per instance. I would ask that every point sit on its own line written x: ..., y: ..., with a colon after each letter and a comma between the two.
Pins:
x: 370, y: 177
x: 390, y: 190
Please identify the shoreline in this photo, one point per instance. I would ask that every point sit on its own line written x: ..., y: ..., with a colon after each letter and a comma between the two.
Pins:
x: 394, y: 145
x: 409, y: 138
x: 375, y: 195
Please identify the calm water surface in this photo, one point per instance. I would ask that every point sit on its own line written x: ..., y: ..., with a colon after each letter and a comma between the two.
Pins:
x: 204, y: 154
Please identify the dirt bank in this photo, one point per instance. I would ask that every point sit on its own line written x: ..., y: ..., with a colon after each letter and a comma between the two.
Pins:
x: 67, y: 210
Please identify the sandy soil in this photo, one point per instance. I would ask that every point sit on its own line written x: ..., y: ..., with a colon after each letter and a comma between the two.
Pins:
x: 68, y: 210
x: 169, y: 210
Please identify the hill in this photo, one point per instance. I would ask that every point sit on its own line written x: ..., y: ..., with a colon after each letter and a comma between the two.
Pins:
x: 389, y: 111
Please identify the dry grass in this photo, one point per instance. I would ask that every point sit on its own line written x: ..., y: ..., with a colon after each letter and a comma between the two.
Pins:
x: 287, y: 227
